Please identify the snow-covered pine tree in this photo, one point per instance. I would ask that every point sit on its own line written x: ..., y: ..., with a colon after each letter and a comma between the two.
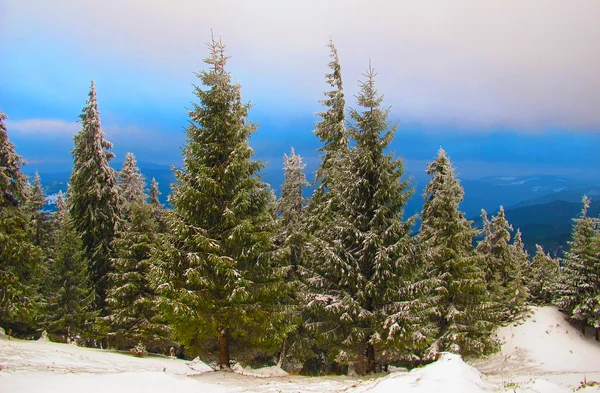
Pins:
x: 363, y: 299
x: 69, y: 307
x: 290, y: 239
x: 214, y: 272
x: 544, y: 275
x: 503, y: 270
x: 131, y: 302
x: 154, y: 194
x: 131, y: 182
x: 579, y: 278
x: 19, y: 257
x: 157, y: 208
x: 35, y: 203
x: 460, y: 308
x: 290, y: 208
x: 331, y: 129
x: 94, y: 200
x: 516, y: 288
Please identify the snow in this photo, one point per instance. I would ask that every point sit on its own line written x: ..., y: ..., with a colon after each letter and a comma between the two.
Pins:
x: 542, y: 353
x: 546, y: 346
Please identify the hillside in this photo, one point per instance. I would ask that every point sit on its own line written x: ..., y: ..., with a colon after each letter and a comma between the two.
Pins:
x: 543, y: 353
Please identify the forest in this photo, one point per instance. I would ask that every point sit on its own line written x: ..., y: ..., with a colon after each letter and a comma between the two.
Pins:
x: 336, y: 282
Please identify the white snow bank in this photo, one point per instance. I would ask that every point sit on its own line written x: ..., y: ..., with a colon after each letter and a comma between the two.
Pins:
x: 129, y: 382
x: 18, y: 356
x: 449, y: 374
x: 548, y: 342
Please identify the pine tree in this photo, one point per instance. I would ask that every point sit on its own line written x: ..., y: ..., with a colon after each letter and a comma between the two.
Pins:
x: 154, y: 194
x: 131, y: 182
x: 517, y: 292
x: 290, y: 239
x: 290, y: 208
x: 331, y: 129
x: 39, y: 219
x: 93, y: 196
x: 69, y: 306
x: 19, y: 258
x: 504, y: 266
x: 362, y: 300
x: 131, y: 302
x: 543, y: 277
x: 579, y: 276
x: 461, y: 310
x: 214, y: 272
x: 158, y: 212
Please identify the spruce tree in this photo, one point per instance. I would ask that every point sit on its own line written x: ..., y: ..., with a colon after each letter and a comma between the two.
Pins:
x: 131, y: 182
x: 461, y: 311
x: 157, y: 208
x: 290, y: 208
x: 214, y: 272
x: 19, y: 257
x: 331, y: 129
x: 39, y: 219
x: 579, y: 278
x: 94, y: 201
x: 290, y: 240
x: 504, y: 269
x: 131, y: 302
x: 544, y: 275
x: 154, y: 194
x: 363, y: 299
x: 69, y: 305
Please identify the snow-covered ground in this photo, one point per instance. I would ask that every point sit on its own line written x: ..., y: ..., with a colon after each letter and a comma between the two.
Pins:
x: 542, y: 354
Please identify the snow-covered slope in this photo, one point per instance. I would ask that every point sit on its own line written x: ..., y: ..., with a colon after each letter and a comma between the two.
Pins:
x: 541, y: 354
x: 544, y: 346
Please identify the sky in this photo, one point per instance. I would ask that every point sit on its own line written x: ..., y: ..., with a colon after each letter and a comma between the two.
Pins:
x: 506, y: 87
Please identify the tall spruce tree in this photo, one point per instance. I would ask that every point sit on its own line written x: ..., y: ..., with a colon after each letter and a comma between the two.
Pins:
x: 19, y: 257
x: 579, y: 278
x: 69, y: 305
x: 544, y: 275
x: 94, y: 201
x: 362, y: 295
x: 214, y: 272
x: 39, y: 219
x: 461, y: 311
x: 331, y: 129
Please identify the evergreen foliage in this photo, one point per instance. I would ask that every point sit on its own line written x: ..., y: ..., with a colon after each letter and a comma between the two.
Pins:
x: 505, y: 264
x: 579, y: 285
x: 131, y: 182
x: 94, y: 201
x: 461, y: 311
x: 543, y: 278
x: 19, y: 257
x: 363, y: 300
x: 214, y: 272
x: 69, y: 304
x: 131, y: 302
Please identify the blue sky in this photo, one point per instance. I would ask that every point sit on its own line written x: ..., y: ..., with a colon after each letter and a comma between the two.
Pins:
x: 506, y: 88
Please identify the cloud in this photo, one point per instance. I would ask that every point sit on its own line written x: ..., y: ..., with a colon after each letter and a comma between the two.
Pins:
x: 497, y: 63
x: 44, y: 127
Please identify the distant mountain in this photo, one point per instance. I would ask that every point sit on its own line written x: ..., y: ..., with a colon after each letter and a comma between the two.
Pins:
x: 575, y: 196
x: 548, y: 224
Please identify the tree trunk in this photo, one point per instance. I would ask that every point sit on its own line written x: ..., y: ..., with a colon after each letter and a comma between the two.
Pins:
x: 597, y: 334
x: 224, y: 349
x: 282, y: 354
x: 583, y: 328
x: 370, y: 359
